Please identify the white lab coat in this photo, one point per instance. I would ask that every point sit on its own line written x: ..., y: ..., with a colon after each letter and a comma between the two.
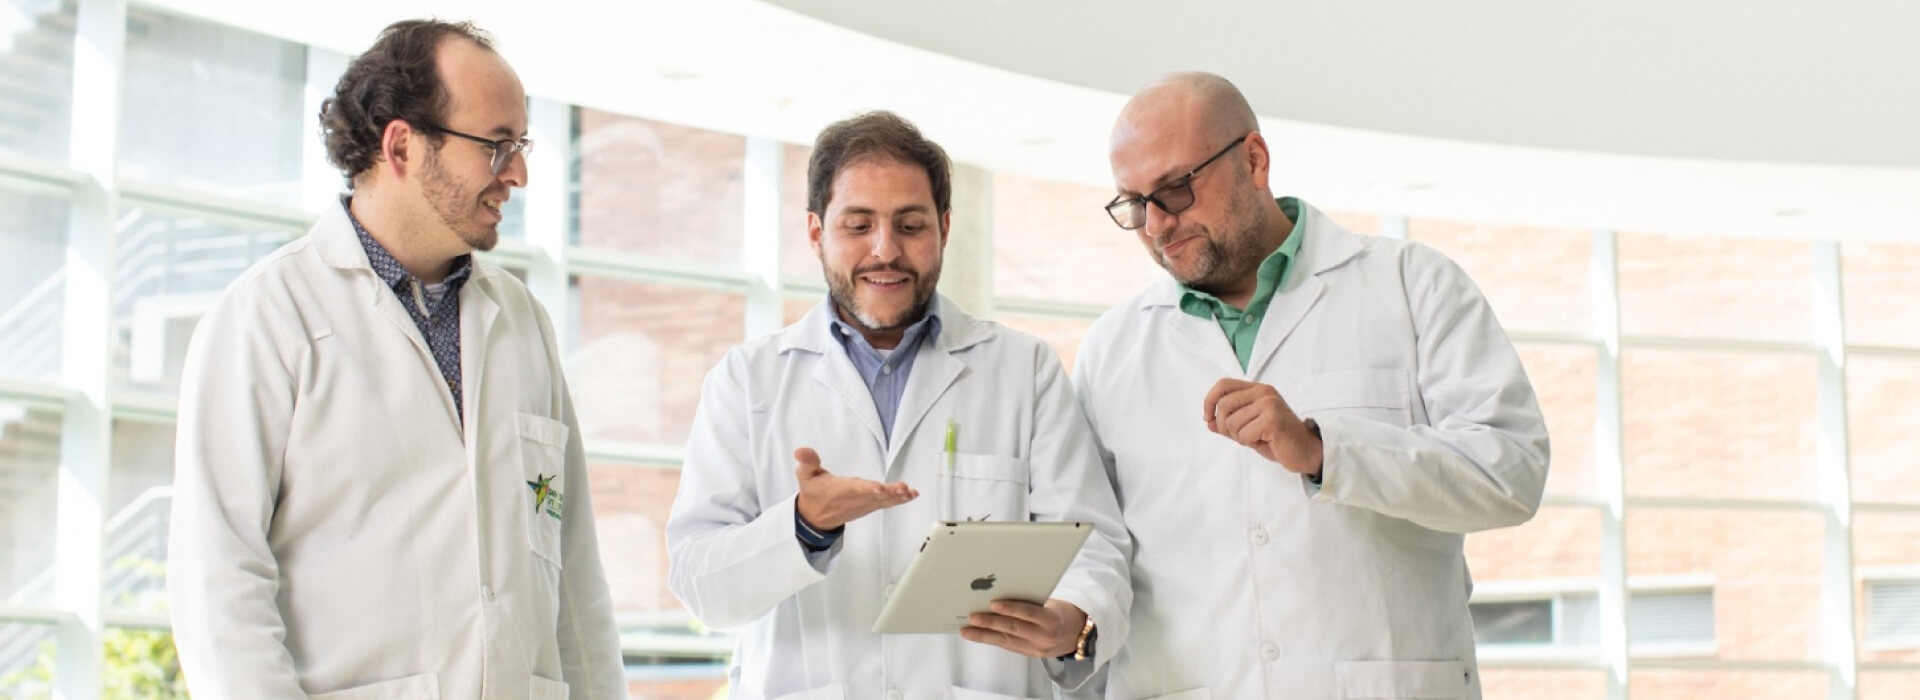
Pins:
x: 1250, y: 582
x: 336, y: 532
x: 803, y: 623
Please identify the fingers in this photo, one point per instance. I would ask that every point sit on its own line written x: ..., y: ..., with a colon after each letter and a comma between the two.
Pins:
x: 1023, y: 611
x: 995, y: 634
x: 892, y: 494
x: 808, y: 463
x: 1254, y: 428
x: 1220, y: 388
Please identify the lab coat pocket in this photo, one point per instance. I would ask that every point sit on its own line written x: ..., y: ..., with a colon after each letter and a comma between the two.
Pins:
x: 425, y: 686
x: 959, y: 693
x: 1375, y: 394
x: 825, y: 692
x: 984, y: 487
x: 1401, y: 680
x: 543, y: 450
x: 546, y: 689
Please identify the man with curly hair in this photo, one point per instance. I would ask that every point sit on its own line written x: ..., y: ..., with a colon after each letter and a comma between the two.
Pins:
x: 381, y: 490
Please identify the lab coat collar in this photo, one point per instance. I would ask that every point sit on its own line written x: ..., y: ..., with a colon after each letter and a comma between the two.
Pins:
x: 1326, y: 247
x: 814, y: 332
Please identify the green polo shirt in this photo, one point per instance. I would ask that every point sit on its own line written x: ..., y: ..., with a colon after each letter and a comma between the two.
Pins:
x: 1243, y: 326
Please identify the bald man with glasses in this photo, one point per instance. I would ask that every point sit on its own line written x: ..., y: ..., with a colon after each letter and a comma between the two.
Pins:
x: 1302, y: 425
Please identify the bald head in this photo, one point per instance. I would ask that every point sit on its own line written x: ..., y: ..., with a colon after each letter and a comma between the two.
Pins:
x: 1209, y: 228
x: 1203, y: 104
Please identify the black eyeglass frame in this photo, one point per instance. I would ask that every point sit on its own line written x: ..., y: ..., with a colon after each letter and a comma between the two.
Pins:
x: 1135, y: 208
x: 503, y: 149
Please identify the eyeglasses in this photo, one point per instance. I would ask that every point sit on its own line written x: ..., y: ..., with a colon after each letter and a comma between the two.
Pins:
x: 1174, y: 197
x: 503, y: 149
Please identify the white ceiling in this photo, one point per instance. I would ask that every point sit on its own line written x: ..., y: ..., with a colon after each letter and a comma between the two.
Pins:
x: 1769, y: 118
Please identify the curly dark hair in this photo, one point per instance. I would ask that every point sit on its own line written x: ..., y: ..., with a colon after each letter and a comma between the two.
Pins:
x: 875, y: 133
x: 397, y: 78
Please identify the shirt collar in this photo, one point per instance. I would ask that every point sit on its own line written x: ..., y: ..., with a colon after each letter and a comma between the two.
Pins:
x: 1272, y: 273
x: 389, y: 269
x: 927, y: 327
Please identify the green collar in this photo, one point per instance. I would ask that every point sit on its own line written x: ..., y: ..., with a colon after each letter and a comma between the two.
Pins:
x: 1272, y: 274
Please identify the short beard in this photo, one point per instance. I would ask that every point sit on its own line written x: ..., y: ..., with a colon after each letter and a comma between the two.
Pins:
x: 456, y: 207
x: 841, y: 290
x: 1223, y: 264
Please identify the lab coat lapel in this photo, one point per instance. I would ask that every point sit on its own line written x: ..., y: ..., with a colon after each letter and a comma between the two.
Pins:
x: 1326, y: 247
x: 935, y: 371
x: 478, y: 313
x: 834, y: 371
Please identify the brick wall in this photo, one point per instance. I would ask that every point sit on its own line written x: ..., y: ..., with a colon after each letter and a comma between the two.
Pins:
x: 660, y: 190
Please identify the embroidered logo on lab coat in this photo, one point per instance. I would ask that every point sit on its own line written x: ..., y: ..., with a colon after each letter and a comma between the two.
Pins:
x: 546, y: 498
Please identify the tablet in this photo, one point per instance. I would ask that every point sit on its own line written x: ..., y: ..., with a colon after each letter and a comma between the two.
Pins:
x: 963, y: 567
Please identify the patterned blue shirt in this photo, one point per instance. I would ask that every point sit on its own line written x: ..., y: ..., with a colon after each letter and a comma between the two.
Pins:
x: 438, y: 321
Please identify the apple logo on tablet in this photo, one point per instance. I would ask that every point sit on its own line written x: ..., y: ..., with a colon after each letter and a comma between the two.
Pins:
x: 983, y: 584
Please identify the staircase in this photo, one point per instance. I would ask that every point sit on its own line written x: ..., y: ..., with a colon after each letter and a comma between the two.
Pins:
x: 36, y: 77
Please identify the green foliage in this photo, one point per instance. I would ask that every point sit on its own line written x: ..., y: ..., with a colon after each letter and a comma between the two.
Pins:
x: 140, y: 665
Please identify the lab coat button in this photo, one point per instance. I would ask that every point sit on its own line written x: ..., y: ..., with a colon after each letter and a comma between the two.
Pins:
x: 486, y: 592
x: 1269, y: 651
x: 1259, y: 537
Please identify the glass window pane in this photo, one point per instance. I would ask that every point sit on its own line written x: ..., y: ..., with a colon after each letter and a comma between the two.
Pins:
x: 1561, y: 543
x: 170, y: 268
x: 1564, y: 379
x: 36, y: 77
x: 1762, y: 568
x: 1719, y: 424
x: 139, y: 496
x: 792, y: 309
x: 797, y: 261
x: 1052, y: 240
x: 212, y: 108
x: 1886, y: 550
x: 1883, y: 447
x: 659, y: 189
x: 630, y: 508
x: 1893, y: 612
x: 27, y: 658
x: 1663, y: 684
x: 1537, y: 279
x: 1519, y: 622
x: 1657, y: 619
x: 1539, y: 684
x: 141, y: 663
x: 29, y: 474
x: 1699, y: 287
x: 33, y: 232
x: 643, y: 351
x: 1880, y: 282
x: 1062, y: 333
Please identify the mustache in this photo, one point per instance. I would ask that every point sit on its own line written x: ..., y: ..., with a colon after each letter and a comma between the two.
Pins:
x: 886, y: 267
